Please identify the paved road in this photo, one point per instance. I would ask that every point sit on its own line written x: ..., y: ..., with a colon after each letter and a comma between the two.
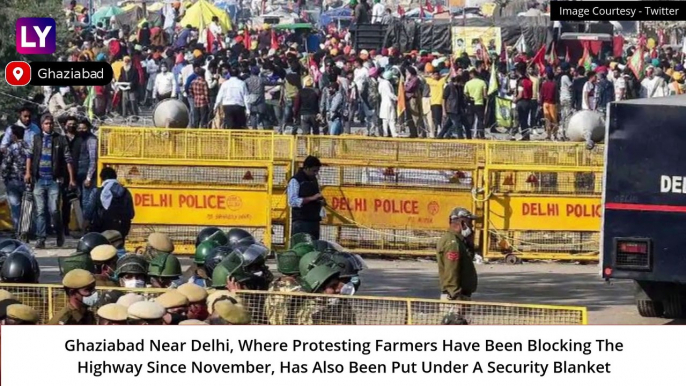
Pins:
x: 533, y: 283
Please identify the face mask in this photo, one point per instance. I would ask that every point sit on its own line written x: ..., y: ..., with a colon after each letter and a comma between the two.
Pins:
x: 466, y: 232
x: 92, y: 300
x: 134, y: 283
x: 355, y: 280
x: 348, y: 289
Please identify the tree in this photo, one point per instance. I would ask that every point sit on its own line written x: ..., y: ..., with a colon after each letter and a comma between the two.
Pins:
x: 10, y: 11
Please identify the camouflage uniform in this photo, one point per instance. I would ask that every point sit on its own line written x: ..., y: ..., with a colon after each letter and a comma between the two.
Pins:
x: 319, y: 311
x: 279, y: 309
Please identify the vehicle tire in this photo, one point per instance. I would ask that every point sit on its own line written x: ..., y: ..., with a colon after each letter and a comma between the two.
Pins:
x: 649, y: 308
x: 512, y: 259
x: 673, y: 307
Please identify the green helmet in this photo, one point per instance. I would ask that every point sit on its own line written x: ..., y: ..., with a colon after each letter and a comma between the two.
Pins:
x: 302, y: 249
x: 307, y: 262
x: 288, y: 263
x: 301, y: 238
x: 203, y: 249
x: 132, y: 264
x: 164, y: 265
x: 231, y: 267
x: 77, y: 260
x: 317, y: 277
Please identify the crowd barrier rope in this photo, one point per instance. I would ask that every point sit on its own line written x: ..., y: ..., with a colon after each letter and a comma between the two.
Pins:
x: 385, y: 196
x: 300, y: 308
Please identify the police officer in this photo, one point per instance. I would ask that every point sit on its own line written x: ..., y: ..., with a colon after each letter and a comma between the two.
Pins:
x: 349, y: 266
x: 116, y: 240
x: 112, y: 314
x: 229, y: 313
x: 176, y: 305
x: 197, y: 300
x: 455, y: 252
x: 145, y: 313
x: 76, y: 260
x: 243, y: 269
x: 105, y: 261
x: 197, y: 273
x: 157, y: 242
x: 90, y: 241
x: 163, y: 270
x: 3, y: 308
x: 322, y: 278
x: 305, y: 199
x: 279, y: 309
x: 132, y: 271
x: 79, y: 285
x: 19, y: 314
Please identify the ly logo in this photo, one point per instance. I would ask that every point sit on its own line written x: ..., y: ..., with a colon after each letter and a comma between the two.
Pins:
x: 36, y: 35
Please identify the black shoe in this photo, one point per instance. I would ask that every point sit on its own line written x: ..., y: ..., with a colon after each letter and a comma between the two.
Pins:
x: 60, y: 241
x: 40, y: 244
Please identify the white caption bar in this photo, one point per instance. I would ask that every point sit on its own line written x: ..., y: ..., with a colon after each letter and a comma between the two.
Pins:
x: 340, y: 355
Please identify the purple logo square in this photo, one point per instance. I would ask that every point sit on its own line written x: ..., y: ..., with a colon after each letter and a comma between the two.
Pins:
x: 36, y: 35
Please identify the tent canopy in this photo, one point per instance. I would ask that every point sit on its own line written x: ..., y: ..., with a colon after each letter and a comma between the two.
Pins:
x: 106, y: 13
x: 200, y: 14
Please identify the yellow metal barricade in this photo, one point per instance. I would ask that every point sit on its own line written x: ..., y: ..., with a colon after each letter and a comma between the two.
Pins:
x: 359, y: 310
x: 542, y: 200
x: 392, y: 196
x: 184, y: 180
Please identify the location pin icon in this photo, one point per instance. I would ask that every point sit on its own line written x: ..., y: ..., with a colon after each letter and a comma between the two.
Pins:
x: 18, y: 72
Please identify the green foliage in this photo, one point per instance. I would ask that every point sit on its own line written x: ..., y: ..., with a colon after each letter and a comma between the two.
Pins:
x: 10, y: 11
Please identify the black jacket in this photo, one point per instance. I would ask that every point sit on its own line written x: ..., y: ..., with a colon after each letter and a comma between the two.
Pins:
x: 308, y: 187
x: 60, y: 155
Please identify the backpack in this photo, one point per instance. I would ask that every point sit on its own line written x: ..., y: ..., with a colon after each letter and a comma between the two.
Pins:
x: 116, y: 217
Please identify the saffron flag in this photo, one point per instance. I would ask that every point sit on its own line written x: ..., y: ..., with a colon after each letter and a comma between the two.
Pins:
x: 539, y: 60
x: 401, y: 97
x: 585, y: 60
x: 637, y: 64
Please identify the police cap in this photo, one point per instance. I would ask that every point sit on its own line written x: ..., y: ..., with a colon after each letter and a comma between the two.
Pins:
x: 103, y: 253
x: 3, y: 306
x: 113, y: 312
x: 23, y: 313
x: 192, y: 322
x: 221, y: 295
x: 233, y: 313
x: 193, y: 292
x: 161, y: 242
x: 129, y: 299
x: 146, y: 311
x: 78, y: 278
x: 172, y: 299
x: 4, y: 295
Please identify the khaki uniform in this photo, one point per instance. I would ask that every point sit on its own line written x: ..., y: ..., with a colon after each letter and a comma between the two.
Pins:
x: 456, y: 269
x: 280, y: 309
x: 72, y: 316
x: 318, y: 311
